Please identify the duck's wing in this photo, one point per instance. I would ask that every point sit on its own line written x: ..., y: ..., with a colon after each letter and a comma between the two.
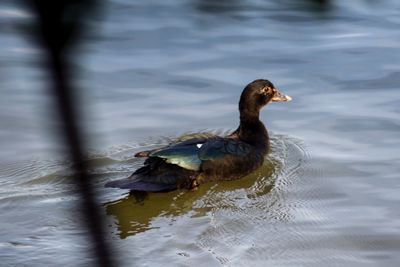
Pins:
x: 191, y: 153
x: 218, y: 148
x: 176, y: 165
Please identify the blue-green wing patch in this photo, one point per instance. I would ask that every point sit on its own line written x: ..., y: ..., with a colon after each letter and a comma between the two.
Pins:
x: 183, y: 154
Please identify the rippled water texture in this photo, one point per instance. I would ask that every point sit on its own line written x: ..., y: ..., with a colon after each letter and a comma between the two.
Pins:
x: 152, y: 71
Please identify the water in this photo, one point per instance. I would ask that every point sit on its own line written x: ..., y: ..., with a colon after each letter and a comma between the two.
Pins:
x: 153, y: 71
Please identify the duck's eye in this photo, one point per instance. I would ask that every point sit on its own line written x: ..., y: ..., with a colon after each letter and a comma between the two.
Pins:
x: 267, y: 90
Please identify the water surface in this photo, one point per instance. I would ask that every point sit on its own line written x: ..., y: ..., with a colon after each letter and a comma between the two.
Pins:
x: 153, y: 71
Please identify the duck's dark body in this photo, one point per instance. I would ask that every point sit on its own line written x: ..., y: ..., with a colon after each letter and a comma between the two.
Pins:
x: 234, y: 166
x: 195, y: 161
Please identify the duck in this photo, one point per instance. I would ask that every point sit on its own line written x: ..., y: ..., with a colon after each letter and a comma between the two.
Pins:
x: 190, y: 163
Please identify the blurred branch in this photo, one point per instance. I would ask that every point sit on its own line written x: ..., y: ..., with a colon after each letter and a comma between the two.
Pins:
x: 59, y: 25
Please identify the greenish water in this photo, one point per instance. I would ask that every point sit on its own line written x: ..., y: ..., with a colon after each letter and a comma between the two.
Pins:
x: 328, y: 193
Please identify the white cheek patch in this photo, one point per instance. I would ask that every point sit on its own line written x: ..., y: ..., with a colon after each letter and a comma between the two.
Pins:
x: 199, y: 145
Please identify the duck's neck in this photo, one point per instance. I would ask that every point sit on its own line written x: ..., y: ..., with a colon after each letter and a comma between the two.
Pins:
x: 252, y: 130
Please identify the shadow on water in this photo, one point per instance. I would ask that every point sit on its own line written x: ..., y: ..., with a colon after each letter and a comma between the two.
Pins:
x: 134, y: 213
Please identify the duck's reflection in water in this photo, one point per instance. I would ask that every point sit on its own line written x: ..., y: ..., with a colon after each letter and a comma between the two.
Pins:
x: 135, y: 212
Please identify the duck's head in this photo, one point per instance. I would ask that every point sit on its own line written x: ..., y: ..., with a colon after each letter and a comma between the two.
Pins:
x: 257, y: 94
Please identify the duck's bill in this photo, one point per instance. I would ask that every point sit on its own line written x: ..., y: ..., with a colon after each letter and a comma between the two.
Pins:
x: 278, y: 96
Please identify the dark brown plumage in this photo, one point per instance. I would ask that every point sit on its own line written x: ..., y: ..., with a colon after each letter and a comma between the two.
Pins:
x: 195, y: 161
